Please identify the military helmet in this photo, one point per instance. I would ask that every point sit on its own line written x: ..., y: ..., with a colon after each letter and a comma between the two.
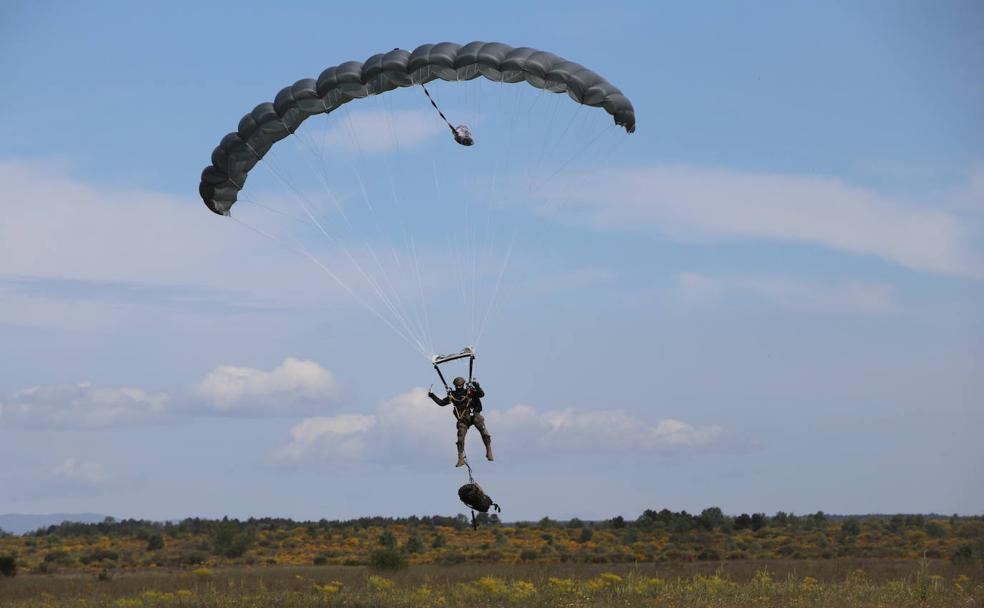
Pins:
x: 459, y: 382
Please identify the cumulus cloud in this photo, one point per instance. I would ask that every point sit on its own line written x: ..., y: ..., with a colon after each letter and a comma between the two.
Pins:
x: 843, y: 296
x: 695, y: 203
x: 343, y: 437
x: 600, y: 430
x: 294, y: 385
x: 409, y: 424
x: 73, y: 470
x: 293, y: 388
x: 82, y: 406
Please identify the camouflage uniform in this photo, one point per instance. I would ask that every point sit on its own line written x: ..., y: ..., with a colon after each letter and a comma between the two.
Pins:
x: 467, y: 404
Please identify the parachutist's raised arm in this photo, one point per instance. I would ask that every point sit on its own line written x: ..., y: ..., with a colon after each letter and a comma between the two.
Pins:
x: 477, y: 390
x: 438, y: 400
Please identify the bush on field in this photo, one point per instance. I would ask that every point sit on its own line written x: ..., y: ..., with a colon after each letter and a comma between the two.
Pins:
x: 8, y: 565
x: 387, y: 559
x: 57, y: 556
x: 229, y: 541
x: 192, y: 558
x: 155, y: 542
x: 100, y: 555
x: 964, y: 554
x: 451, y: 559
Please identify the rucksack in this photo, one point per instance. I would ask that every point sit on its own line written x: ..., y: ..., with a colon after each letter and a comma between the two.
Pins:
x: 475, y: 498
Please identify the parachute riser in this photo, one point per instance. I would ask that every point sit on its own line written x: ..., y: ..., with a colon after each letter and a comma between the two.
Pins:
x: 439, y: 360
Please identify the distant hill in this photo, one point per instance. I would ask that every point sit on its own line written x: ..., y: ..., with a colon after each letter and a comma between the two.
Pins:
x: 19, y: 523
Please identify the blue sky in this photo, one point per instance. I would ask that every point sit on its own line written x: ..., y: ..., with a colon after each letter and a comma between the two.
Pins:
x: 767, y: 298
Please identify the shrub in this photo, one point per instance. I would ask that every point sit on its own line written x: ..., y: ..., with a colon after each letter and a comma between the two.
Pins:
x: 387, y: 539
x: 8, y: 565
x: 935, y: 529
x: 100, y: 555
x: 414, y: 545
x: 451, y: 559
x: 155, y: 542
x: 850, y: 528
x: 387, y: 559
x: 963, y: 554
x: 56, y: 556
x: 192, y: 558
x: 229, y: 541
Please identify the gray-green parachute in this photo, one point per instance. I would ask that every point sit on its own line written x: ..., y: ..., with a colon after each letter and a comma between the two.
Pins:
x: 268, y: 123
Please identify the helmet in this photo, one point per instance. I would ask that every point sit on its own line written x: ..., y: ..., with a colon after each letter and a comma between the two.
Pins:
x: 459, y: 382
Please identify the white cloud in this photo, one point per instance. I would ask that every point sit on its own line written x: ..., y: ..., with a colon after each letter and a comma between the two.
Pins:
x: 55, y: 226
x: 77, y: 471
x: 293, y: 388
x: 81, y: 406
x: 343, y: 437
x: 693, y: 203
x: 600, y: 430
x: 410, y: 424
x: 843, y: 296
x: 295, y: 385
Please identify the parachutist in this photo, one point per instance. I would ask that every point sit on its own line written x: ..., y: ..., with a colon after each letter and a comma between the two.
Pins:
x: 467, y: 406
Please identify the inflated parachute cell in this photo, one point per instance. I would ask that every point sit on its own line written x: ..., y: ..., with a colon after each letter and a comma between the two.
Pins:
x: 268, y: 123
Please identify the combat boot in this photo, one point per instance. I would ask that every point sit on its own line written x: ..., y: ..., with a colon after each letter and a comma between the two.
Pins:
x: 461, y: 460
x: 488, y: 449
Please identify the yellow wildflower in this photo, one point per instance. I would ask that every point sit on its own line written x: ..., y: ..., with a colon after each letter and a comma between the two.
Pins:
x: 379, y: 583
x: 202, y: 573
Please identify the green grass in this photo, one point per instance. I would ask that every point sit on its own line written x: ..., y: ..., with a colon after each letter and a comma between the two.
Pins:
x: 852, y: 583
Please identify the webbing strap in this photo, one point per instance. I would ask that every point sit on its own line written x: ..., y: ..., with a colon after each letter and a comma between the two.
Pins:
x: 427, y: 93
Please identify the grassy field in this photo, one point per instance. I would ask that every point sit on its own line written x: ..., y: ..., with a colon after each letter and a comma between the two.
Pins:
x: 659, y: 559
x: 724, y: 584
x: 661, y: 538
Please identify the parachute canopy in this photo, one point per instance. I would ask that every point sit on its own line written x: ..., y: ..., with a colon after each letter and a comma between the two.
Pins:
x: 268, y: 123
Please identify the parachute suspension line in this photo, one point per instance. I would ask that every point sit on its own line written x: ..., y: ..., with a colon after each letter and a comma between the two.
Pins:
x: 270, y: 209
x: 509, y: 110
x: 464, y: 237
x: 575, y: 156
x: 546, y: 137
x: 598, y: 159
x: 495, y: 292
x: 406, y: 232
x: 406, y: 317
x: 414, y: 309
x: 319, y: 168
x: 336, y: 278
x: 301, y: 198
x: 459, y: 276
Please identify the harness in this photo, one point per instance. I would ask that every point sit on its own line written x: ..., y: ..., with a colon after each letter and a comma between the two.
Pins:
x: 462, y: 407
